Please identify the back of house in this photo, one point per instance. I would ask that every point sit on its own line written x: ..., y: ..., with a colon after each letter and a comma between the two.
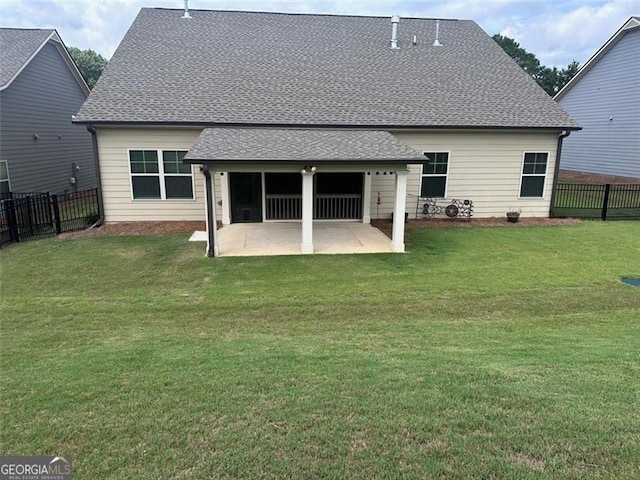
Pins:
x: 356, y: 117
x: 40, y: 89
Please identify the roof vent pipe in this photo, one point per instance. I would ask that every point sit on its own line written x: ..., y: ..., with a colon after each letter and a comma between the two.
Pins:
x: 437, y: 43
x: 186, y: 9
x: 395, y: 20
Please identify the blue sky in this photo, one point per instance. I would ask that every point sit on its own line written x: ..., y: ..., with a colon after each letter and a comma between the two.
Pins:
x: 557, y: 32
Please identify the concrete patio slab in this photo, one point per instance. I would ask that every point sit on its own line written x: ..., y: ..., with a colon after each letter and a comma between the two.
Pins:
x: 261, y: 239
x: 198, y: 236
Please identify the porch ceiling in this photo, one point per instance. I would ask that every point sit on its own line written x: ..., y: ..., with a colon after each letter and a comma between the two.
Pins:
x: 273, y: 145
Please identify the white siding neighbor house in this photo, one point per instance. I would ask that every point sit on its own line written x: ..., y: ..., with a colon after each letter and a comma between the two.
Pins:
x: 604, y: 96
x: 261, y: 117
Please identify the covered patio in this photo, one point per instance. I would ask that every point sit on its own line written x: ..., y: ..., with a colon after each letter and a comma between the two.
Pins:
x: 303, y: 154
x: 275, y: 238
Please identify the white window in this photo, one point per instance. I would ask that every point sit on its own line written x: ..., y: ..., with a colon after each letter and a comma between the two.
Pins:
x: 435, y: 171
x: 160, y: 175
x: 5, y: 187
x: 534, y: 174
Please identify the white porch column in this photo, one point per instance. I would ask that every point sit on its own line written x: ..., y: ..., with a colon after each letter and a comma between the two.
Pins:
x: 210, y: 209
x: 397, y: 238
x: 307, y: 209
x: 366, y: 198
x: 226, y: 202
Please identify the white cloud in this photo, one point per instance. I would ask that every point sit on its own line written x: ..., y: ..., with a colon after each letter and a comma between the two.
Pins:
x: 557, y: 38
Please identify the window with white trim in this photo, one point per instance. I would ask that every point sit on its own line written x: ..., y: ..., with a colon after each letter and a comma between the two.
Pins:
x: 5, y: 187
x: 160, y: 175
x: 534, y: 174
x: 434, y: 174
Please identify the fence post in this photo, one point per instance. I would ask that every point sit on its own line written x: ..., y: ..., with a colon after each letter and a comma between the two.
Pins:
x: 605, y: 202
x: 29, y: 200
x: 56, y: 214
x: 10, y: 210
x: 95, y: 193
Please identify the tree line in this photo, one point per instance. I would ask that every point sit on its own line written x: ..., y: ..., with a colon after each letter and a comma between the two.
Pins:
x: 549, y: 78
x: 90, y: 64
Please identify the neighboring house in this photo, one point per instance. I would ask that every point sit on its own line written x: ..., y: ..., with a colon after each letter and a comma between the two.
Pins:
x: 604, y: 96
x: 40, y: 89
x: 302, y: 117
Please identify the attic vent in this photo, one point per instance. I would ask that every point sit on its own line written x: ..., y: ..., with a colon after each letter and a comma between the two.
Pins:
x: 436, y: 42
x: 186, y: 9
x: 395, y: 20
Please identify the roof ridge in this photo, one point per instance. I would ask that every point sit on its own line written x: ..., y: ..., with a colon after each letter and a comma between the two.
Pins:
x: 30, y: 29
x: 304, y: 14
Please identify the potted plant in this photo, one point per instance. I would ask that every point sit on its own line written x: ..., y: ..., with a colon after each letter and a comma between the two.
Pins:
x: 513, y: 215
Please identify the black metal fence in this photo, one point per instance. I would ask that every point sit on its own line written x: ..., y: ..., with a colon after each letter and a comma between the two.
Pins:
x: 29, y: 216
x: 606, y: 202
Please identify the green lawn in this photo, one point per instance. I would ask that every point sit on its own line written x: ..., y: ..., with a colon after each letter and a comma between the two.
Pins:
x: 481, y: 353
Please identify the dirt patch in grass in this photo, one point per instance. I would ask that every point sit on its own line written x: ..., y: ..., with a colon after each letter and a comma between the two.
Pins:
x: 528, y: 461
x: 593, y: 178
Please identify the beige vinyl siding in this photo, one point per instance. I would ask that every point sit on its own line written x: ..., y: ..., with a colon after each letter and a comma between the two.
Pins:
x: 484, y: 166
x: 113, y: 147
x: 385, y: 185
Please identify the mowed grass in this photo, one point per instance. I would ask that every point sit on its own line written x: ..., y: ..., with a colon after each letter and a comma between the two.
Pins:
x: 480, y: 353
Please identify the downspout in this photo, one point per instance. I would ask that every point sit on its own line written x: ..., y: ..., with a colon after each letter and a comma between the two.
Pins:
x: 96, y: 161
x: 210, y: 204
x: 556, y: 172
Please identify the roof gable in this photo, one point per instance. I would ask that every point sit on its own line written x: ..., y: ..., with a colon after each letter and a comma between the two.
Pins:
x: 19, y: 46
x: 632, y: 24
x: 247, y: 68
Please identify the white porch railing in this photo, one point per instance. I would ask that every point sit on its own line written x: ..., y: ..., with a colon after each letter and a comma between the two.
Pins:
x: 284, y: 207
x: 337, y: 206
x: 326, y: 207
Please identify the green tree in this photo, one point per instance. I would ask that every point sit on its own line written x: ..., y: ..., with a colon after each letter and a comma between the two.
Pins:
x: 526, y: 60
x: 568, y: 73
x: 90, y: 64
x: 549, y: 78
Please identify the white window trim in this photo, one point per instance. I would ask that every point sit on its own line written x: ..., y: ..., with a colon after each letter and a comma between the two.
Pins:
x: 522, y: 175
x: 161, y: 176
x: 446, y: 179
x: 8, y: 180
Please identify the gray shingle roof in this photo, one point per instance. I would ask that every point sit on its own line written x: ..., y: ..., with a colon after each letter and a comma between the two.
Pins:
x: 239, y: 68
x: 299, y: 145
x: 17, y: 45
